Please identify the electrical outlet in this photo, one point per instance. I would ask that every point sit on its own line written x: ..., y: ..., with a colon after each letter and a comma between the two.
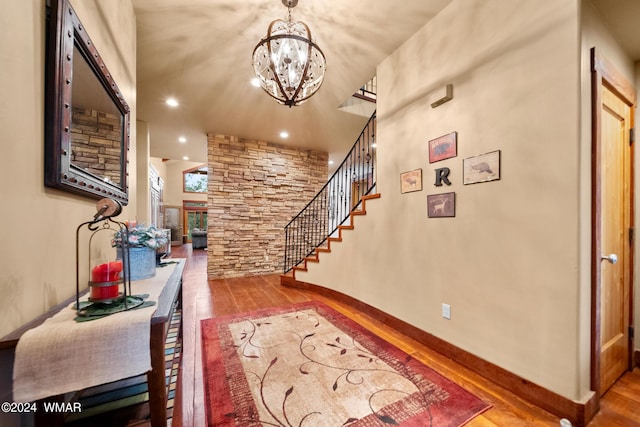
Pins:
x: 446, y: 311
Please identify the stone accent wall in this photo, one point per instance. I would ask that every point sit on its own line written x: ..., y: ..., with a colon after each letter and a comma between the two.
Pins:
x: 95, y: 143
x: 255, y: 188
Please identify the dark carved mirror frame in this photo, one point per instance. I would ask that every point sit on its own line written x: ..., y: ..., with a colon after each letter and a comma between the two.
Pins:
x: 66, y: 37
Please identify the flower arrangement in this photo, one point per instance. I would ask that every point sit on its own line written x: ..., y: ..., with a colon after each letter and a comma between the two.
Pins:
x: 140, y: 236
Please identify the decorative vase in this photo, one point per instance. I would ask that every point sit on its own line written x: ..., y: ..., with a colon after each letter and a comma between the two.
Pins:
x: 143, y: 262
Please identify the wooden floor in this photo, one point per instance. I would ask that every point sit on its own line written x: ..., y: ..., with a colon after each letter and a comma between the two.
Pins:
x: 204, y: 298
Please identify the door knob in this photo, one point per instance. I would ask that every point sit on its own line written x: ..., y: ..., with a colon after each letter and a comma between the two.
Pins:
x: 612, y: 258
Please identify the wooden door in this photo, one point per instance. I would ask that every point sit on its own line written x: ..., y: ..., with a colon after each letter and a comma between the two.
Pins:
x: 615, y: 237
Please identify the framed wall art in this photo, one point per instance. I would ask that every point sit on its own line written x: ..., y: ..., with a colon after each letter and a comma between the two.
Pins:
x: 441, y: 205
x: 443, y: 147
x: 481, y: 168
x: 411, y: 181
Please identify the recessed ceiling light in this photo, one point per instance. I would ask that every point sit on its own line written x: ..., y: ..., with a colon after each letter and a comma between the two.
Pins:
x: 172, y: 102
x: 182, y: 139
x: 185, y: 158
x: 330, y: 162
x: 284, y: 134
x: 255, y: 82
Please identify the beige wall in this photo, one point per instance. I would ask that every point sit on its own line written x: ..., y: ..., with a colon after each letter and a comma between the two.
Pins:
x: 38, y: 250
x: 143, y: 213
x: 173, y: 184
x: 171, y: 173
x: 509, y: 263
x: 524, y: 88
x: 160, y: 166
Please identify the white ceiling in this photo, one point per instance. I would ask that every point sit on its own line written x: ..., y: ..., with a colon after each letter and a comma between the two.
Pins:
x: 199, y: 51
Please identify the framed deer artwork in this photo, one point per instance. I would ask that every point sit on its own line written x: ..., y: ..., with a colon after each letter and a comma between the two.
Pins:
x: 411, y: 181
x: 441, y: 205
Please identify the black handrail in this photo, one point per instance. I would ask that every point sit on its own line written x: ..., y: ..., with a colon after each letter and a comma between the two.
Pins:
x: 320, y: 218
x: 369, y: 90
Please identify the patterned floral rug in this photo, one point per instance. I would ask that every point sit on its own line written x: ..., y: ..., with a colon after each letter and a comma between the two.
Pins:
x: 308, y: 365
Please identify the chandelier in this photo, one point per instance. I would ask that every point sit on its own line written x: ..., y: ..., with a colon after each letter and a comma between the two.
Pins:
x: 288, y: 64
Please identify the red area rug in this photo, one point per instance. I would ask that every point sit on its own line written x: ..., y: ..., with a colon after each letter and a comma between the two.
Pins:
x: 308, y: 365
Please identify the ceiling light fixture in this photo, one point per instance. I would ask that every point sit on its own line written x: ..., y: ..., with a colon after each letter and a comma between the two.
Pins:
x: 182, y: 139
x: 171, y: 102
x: 289, y: 65
x: 284, y: 134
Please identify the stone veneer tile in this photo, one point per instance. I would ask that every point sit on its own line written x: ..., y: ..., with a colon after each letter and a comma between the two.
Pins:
x: 255, y: 188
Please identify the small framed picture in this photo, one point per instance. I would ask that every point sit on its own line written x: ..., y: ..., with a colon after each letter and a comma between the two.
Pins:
x: 443, y: 147
x: 411, y: 181
x: 441, y: 205
x: 481, y: 168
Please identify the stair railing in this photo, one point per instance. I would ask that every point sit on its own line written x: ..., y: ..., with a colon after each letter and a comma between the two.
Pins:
x: 368, y: 91
x: 320, y: 218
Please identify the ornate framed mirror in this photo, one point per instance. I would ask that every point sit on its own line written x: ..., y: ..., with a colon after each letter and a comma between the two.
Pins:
x: 86, y: 116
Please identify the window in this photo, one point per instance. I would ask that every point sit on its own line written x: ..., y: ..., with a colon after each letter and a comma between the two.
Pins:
x: 195, y: 180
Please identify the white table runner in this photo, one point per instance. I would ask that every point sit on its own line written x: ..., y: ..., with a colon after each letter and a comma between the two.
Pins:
x: 63, y: 355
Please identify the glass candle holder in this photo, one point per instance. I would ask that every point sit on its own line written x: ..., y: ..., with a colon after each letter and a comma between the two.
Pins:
x: 105, y: 280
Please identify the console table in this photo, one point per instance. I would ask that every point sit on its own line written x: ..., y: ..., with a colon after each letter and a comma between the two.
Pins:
x: 167, y: 301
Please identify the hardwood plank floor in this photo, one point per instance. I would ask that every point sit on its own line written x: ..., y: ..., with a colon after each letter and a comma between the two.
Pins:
x: 204, y: 298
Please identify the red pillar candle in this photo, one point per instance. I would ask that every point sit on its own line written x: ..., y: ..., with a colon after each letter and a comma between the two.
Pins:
x: 105, y: 273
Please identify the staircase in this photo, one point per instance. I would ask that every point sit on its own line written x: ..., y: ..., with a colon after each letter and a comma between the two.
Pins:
x: 363, y: 102
x: 326, y: 246
x: 323, y: 219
